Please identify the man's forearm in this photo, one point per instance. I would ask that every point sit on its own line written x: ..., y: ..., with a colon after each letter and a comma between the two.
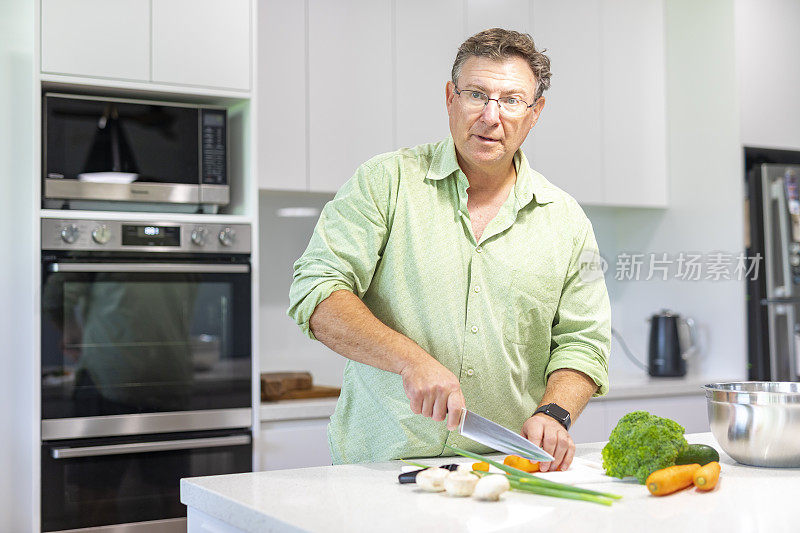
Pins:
x: 345, y: 325
x: 569, y: 389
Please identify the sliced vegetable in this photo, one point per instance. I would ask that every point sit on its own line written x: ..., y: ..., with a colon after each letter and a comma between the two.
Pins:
x: 706, y: 477
x: 528, y: 482
x: 671, y: 479
x: 697, y: 453
x: 520, y: 463
x: 483, y: 467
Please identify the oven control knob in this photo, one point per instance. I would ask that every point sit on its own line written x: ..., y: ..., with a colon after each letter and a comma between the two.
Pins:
x: 69, y: 234
x: 199, y: 235
x: 101, y: 234
x: 227, y: 236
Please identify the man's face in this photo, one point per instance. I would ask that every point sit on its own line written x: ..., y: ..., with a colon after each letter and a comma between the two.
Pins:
x: 486, y: 138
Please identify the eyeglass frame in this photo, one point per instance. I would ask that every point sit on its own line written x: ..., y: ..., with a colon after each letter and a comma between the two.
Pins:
x: 499, y: 106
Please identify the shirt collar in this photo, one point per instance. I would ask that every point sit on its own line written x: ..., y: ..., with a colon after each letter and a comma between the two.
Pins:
x: 529, y: 183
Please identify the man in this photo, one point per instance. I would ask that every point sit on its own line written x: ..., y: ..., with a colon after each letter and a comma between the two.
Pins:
x: 450, y: 275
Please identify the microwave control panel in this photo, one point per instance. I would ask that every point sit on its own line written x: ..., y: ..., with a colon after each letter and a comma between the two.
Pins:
x: 214, y: 160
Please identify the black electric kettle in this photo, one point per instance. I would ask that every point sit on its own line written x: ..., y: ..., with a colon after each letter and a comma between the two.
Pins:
x: 672, y: 339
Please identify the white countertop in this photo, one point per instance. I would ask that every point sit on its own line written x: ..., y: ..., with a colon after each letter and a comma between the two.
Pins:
x: 367, y: 497
x: 297, y: 409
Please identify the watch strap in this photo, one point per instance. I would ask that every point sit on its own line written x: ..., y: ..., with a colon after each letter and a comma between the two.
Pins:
x: 556, y: 412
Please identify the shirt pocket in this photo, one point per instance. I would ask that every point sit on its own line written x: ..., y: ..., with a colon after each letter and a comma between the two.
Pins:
x: 532, y: 300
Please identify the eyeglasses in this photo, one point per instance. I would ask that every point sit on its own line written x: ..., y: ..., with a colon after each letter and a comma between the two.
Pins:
x: 510, y: 106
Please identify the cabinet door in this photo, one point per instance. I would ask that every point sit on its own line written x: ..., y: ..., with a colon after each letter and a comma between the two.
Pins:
x: 202, y: 42
x: 351, y: 87
x: 566, y: 143
x: 689, y: 411
x: 97, y: 38
x: 293, y: 444
x: 634, y: 102
x: 426, y: 48
x: 282, y: 113
x: 591, y: 425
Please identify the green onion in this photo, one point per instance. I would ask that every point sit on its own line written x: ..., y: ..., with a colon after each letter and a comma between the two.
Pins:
x: 531, y: 483
x: 419, y: 465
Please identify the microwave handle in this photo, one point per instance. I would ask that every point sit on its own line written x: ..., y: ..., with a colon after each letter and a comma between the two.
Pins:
x: 144, y: 447
x: 149, y: 267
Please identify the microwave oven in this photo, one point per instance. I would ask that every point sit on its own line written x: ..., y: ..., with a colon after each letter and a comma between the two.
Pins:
x: 127, y: 153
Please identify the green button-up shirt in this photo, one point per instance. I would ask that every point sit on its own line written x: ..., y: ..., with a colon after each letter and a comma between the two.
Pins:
x: 501, y: 314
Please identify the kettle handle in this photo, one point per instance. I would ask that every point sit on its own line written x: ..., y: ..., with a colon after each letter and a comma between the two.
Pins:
x: 692, y: 337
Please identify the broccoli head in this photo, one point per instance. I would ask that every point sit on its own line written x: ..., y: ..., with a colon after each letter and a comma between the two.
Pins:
x: 641, y: 444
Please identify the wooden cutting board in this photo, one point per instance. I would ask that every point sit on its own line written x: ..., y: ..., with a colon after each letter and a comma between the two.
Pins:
x: 275, y: 384
x: 317, y: 391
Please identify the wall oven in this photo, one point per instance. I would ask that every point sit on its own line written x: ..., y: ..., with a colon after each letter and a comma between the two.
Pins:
x: 146, y: 367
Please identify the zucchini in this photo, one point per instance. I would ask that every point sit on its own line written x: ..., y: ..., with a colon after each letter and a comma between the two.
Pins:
x: 697, y: 453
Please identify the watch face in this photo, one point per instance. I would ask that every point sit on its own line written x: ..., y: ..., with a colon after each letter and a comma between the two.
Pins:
x: 558, y: 411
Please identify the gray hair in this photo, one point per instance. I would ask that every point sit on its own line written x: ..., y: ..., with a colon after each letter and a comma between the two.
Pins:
x: 499, y: 44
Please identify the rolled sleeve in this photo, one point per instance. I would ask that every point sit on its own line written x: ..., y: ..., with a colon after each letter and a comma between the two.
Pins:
x: 581, y: 334
x: 346, y: 245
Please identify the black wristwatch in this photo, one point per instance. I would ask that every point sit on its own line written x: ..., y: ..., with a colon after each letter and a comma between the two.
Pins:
x: 557, y: 412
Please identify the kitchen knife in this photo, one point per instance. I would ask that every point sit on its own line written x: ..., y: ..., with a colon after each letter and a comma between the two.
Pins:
x: 493, y: 435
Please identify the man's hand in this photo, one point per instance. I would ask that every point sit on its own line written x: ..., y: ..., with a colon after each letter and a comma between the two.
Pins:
x: 545, y: 432
x: 434, y: 391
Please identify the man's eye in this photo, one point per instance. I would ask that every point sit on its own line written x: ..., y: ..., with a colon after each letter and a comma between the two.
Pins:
x: 477, y: 95
x: 512, y: 101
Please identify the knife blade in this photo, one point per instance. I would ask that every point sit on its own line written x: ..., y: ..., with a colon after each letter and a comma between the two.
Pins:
x: 491, y: 434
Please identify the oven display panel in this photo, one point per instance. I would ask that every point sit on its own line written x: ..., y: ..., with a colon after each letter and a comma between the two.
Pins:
x: 139, y: 235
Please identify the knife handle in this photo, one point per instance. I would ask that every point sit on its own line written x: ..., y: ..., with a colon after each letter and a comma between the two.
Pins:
x: 411, y: 477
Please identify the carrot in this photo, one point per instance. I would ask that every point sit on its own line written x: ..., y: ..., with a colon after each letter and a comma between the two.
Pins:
x: 706, y: 477
x: 484, y: 467
x: 670, y: 479
x: 520, y: 463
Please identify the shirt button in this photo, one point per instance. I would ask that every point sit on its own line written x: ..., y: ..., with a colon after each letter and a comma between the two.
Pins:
x: 470, y: 372
x: 479, y: 249
x: 477, y: 288
x: 474, y: 329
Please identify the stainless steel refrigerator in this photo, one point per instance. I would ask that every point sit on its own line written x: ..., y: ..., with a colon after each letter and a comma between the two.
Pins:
x: 773, y: 234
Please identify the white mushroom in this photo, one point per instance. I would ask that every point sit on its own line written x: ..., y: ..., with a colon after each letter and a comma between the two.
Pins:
x: 460, y: 483
x: 432, y: 479
x: 491, y: 487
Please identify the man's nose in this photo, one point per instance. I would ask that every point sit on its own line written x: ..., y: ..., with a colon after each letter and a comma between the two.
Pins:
x: 491, y: 112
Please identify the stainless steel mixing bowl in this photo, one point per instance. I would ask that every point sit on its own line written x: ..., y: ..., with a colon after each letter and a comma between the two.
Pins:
x: 756, y: 422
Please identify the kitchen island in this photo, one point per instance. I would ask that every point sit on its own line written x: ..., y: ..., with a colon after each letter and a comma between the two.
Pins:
x: 367, y: 497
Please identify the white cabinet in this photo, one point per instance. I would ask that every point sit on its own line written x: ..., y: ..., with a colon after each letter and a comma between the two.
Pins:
x: 96, y: 38
x: 293, y: 444
x: 768, y: 72
x: 426, y: 47
x: 601, y: 415
x: 202, y: 42
x: 351, y: 87
x: 634, y: 103
x: 192, y: 43
x: 282, y: 83
x: 566, y: 143
x: 602, y: 134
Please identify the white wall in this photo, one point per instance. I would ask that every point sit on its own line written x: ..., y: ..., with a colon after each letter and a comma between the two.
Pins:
x: 282, y: 241
x: 706, y: 192
x: 19, y: 451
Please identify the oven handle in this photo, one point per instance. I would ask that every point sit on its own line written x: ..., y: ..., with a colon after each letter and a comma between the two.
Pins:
x: 144, y: 447
x: 149, y: 267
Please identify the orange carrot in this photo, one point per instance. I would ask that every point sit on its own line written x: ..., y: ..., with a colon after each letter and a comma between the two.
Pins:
x: 520, y: 463
x: 481, y: 466
x: 706, y: 477
x: 670, y: 479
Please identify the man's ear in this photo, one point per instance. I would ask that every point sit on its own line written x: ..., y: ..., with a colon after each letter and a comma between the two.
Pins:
x: 449, y: 95
x: 537, y: 110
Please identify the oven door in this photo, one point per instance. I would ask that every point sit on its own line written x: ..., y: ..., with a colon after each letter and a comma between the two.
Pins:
x: 127, y: 480
x: 132, y: 347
